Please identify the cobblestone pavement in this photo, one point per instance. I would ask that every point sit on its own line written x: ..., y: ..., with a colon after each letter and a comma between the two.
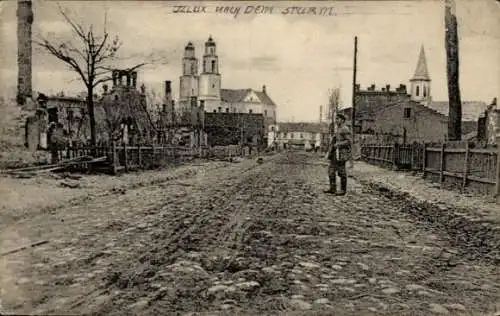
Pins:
x: 248, y: 238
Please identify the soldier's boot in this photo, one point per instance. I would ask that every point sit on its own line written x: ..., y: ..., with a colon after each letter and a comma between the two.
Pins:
x: 333, y: 185
x: 343, y: 186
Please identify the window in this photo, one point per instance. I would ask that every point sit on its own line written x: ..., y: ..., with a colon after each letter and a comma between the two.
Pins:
x: 204, y: 66
x: 213, y: 85
x: 407, y: 113
x: 265, y: 112
x: 291, y: 135
x: 425, y: 91
x: 215, y: 111
x: 417, y: 91
x: 116, y: 98
x: 227, y: 110
x: 301, y: 135
x: 220, y: 109
x: 250, y: 111
x: 213, y: 65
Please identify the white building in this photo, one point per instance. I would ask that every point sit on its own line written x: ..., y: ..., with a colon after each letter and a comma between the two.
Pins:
x: 206, y: 87
x: 297, y: 135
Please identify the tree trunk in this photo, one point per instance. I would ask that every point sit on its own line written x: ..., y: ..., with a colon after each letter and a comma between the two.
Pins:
x: 452, y: 62
x: 90, y: 105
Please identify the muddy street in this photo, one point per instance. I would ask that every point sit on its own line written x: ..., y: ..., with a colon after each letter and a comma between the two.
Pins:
x: 244, y: 238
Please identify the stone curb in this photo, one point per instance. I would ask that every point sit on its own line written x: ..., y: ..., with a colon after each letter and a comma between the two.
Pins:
x: 467, y: 230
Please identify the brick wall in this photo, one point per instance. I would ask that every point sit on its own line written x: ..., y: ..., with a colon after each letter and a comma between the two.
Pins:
x: 229, y: 128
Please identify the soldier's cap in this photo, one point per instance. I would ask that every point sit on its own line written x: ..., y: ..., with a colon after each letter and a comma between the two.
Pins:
x: 341, y: 116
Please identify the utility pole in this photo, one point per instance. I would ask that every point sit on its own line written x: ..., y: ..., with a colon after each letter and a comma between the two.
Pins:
x: 353, y: 112
x: 452, y: 65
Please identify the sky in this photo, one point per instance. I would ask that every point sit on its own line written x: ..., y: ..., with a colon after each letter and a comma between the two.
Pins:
x: 298, y: 57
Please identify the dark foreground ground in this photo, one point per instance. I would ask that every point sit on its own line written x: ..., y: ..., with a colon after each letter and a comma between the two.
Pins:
x: 244, y: 239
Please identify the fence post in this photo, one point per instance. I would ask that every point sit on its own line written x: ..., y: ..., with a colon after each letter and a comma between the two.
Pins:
x: 153, y: 155
x: 497, y: 184
x: 139, y: 155
x: 441, y: 167
x: 395, y: 156
x: 466, y: 165
x: 424, y: 158
x: 114, y: 157
x: 125, y: 155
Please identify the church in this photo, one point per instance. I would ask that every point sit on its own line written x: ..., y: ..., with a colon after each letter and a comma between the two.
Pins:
x: 205, y: 88
x: 412, y: 114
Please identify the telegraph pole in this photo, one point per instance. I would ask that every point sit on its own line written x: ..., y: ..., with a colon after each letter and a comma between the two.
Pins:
x: 353, y: 112
x: 452, y: 65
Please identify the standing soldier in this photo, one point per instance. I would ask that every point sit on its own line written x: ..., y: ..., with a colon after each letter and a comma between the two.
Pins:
x: 339, y: 153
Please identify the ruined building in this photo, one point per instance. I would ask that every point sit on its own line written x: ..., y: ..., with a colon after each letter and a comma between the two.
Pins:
x: 123, y: 110
x: 24, y: 50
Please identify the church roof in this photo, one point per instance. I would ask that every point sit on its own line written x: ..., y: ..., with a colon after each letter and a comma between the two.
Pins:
x: 239, y: 95
x: 421, y: 72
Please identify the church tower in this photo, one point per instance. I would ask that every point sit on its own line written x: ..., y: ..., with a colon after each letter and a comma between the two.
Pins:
x: 421, y: 82
x: 24, y: 50
x: 210, y: 79
x: 189, y: 79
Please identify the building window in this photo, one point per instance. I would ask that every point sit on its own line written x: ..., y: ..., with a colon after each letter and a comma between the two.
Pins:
x: 291, y: 135
x: 250, y: 111
x: 425, y: 92
x: 213, y: 86
x: 301, y: 135
x: 116, y: 98
x: 215, y: 111
x: 213, y: 65
x: 265, y: 112
x: 220, y: 109
x: 407, y: 113
x: 417, y: 92
x: 204, y: 66
x: 227, y: 110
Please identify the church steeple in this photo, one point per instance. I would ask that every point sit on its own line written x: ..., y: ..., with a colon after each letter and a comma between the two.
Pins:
x: 421, y: 72
x: 421, y: 81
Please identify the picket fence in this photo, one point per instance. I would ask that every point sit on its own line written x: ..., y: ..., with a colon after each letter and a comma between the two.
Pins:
x: 114, y: 159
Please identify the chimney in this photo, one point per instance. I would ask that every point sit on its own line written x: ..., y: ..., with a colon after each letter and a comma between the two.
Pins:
x: 128, y: 79
x: 115, y: 77
x: 134, y: 79
x: 264, y: 88
x: 168, y: 88
x: 388, y: 87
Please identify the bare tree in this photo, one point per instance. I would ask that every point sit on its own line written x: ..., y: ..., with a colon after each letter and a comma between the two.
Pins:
x: 89, y: 58
x: 452, y: 62
x: 333, y: 107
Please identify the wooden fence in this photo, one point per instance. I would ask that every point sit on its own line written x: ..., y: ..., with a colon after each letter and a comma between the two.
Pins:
x: 114, y: 159
x: 456, y: 164
x: 397, y: 156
